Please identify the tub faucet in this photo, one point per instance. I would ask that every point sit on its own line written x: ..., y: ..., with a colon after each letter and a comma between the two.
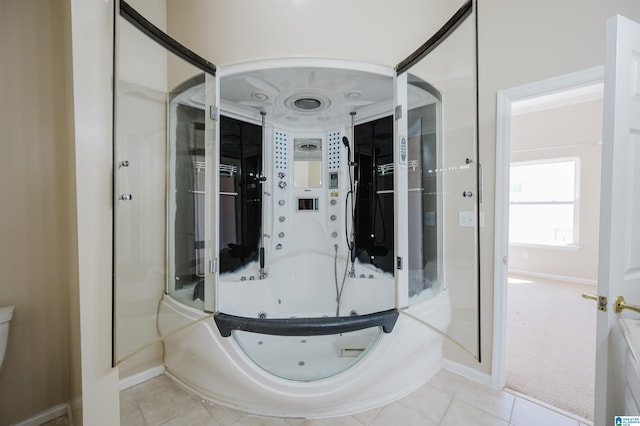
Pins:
x: 352, y: 272
x: 264, y: 273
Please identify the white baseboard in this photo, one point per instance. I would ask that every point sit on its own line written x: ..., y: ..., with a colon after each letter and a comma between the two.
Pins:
x: 52, y: 413
x: 467, y: 372
x: 552, y: 277
x: 141, y: 377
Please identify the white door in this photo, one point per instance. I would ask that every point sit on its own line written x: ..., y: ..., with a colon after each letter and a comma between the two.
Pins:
x: 619, y: 260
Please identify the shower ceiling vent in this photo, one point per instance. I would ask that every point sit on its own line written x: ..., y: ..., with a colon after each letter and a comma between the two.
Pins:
x: 307, y: 102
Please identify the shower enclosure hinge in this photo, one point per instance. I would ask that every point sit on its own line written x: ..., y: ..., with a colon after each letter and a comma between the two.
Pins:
x: 398, y: 112
x: 480, y: 182
x: 213, y: 112
x: 399, y: 262
x: 213, y: 263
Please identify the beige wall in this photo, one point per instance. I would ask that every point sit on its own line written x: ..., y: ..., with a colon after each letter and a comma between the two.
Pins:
x: 35, y: 225
x: 36, y: 233
x: 570, y: 131
x: 231, y: 32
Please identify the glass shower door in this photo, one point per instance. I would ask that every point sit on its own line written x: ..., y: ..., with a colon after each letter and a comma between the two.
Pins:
x: 160, y: 233
x: 191, y: 210
x: 437, y: 182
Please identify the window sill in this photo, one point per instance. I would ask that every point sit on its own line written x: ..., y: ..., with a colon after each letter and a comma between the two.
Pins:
x: 568, y: 247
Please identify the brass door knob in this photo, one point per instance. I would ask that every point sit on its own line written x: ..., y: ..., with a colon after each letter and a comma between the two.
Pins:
x: 619, y: 304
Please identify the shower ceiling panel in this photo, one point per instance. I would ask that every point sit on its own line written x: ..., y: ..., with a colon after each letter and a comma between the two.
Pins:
x: 307, y: 97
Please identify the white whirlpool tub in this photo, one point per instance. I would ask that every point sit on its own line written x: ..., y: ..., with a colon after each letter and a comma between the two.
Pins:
x: 297, y: 375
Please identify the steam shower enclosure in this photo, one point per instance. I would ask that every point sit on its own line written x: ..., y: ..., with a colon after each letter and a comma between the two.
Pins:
x: 320, y: 223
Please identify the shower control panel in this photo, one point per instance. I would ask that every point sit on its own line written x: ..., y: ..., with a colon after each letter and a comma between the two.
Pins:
x: 308, y: 205
x: 281, y: 157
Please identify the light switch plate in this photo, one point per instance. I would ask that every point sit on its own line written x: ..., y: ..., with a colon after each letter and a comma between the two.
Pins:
x: 466, y: 219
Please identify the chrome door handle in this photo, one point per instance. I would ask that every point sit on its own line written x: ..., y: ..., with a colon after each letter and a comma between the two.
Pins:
x: 602, y: 300
x: 619, y: 304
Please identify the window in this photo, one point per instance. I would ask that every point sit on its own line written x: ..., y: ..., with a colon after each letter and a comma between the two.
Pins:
x: 544, y: 202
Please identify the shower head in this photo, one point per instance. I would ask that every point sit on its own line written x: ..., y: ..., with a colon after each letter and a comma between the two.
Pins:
x: 345, y: 141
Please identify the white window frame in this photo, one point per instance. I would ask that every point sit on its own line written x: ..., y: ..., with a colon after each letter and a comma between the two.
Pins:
x: 576, y: 202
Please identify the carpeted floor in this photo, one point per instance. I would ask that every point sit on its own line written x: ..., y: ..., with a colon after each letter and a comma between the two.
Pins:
x: 551, y: 335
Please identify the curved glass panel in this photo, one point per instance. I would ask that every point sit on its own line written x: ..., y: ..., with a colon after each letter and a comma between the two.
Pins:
x: 156, y: 131
x: 441, y: 193
x: 187, y: 190
x: 424, y: 194
x: 306, y: 358
x: 191, y: 207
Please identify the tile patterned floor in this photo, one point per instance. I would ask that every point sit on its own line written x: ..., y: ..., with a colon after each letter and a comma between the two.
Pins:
x: 446, y: 400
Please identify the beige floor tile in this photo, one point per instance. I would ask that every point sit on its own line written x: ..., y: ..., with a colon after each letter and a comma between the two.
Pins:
x: 366, y: 417
x: 431, y: 403
x: 527, y: 413
x: 398, y: 414
x: 447, y: 382
x: 196, y: 416
x: 154, y: 386
x: 223, y: 415
x: 161, y: 401
x: 251, y: 420
x: 130, y: 413
x: 132, y: 419
x: 462, y: 413
x: 496, y: 403
x: 333, y: 421
x: 165, y: 402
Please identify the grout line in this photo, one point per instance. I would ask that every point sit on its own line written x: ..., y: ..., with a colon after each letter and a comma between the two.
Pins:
x: 453, y: 398
x: 513, y: 405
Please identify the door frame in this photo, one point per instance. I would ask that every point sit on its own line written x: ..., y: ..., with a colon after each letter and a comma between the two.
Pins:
x: 505, y: 100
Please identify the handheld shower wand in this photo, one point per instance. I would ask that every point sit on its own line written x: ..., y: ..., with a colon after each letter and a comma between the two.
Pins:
x: 345, y: 141
x: 353, y: 188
